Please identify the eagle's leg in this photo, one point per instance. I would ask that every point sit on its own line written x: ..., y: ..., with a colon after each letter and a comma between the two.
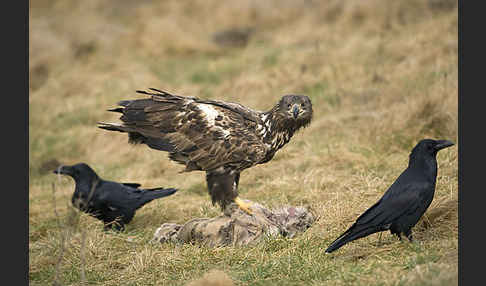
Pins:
x: 243, y: 205
x: 223, y: 188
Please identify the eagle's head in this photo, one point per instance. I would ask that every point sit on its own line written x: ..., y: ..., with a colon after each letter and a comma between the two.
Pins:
x: 295, y: 111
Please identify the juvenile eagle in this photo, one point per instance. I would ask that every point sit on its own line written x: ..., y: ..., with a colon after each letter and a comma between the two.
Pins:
x: 221, y: 138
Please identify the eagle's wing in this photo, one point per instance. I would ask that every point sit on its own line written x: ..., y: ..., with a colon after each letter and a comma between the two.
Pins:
x: 202, y: 134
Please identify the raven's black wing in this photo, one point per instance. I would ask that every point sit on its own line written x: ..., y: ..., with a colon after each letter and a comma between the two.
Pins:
x: 120, y: 197
x: 399, y: 199
x: 133, y: 185
x: 403, y: 198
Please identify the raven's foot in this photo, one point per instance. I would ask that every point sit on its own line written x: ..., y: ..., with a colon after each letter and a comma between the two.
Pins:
x: 379, y: 239
x: 114, y: 226
x: 243, y: 206
x: 410, y: 238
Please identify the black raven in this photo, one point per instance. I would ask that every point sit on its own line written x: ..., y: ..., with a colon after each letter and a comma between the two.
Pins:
x: 405, y: 201
x: 111, y: 202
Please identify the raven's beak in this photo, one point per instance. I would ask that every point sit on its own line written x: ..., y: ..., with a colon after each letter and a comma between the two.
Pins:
x: 62, y: 170
x: 441, y: 144
x: 295, y: 111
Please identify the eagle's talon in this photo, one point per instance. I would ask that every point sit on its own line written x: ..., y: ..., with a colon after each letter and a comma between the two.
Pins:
x: 243, y: 205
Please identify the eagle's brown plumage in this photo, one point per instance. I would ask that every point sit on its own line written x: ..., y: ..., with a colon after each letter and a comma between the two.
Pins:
x: 221, y: 138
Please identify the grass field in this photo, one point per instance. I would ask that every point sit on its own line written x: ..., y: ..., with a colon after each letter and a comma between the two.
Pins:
x: 381, y: 75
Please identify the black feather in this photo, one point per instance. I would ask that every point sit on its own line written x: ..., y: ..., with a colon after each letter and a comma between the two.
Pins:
x: 405, y: 201
x: 111, y: 202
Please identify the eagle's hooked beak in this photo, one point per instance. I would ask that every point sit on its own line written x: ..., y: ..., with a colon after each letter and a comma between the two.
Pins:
x: 295, y: 111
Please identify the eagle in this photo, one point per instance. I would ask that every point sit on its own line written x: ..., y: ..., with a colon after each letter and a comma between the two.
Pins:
x: 218, y: 137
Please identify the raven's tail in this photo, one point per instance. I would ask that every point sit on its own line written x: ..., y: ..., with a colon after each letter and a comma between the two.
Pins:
x: 156, y: 193
x: 350, y: 235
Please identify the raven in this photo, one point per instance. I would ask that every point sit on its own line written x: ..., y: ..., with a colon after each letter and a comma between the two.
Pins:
x: 221, y: 138
x: 405, y: 201
x: 111, y: 202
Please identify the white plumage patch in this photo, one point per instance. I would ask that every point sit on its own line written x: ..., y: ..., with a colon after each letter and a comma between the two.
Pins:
x: 210, y: 114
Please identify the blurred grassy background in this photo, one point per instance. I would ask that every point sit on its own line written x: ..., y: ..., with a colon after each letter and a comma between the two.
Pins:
x: 381, y: 75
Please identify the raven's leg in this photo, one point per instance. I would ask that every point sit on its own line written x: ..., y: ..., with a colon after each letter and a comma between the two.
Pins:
x: 119, y: 225
x: 409, y: 235
x: 113, y: 224
x: 396, y: 231
x: 379, y: 238
x: 113, y: 221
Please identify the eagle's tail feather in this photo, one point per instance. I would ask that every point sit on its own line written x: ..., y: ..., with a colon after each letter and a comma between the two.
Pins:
x: 112, y: 126
x: 133, y: 137
x: 137, y: 138
x: 157, y: 92
x: 164, y: 96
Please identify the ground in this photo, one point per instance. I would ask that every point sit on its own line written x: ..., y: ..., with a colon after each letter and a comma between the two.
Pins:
x: 381, y: 76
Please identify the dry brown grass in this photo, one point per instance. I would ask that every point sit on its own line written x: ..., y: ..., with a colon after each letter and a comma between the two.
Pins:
x: 381, y: 75
x: 213, y: 278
